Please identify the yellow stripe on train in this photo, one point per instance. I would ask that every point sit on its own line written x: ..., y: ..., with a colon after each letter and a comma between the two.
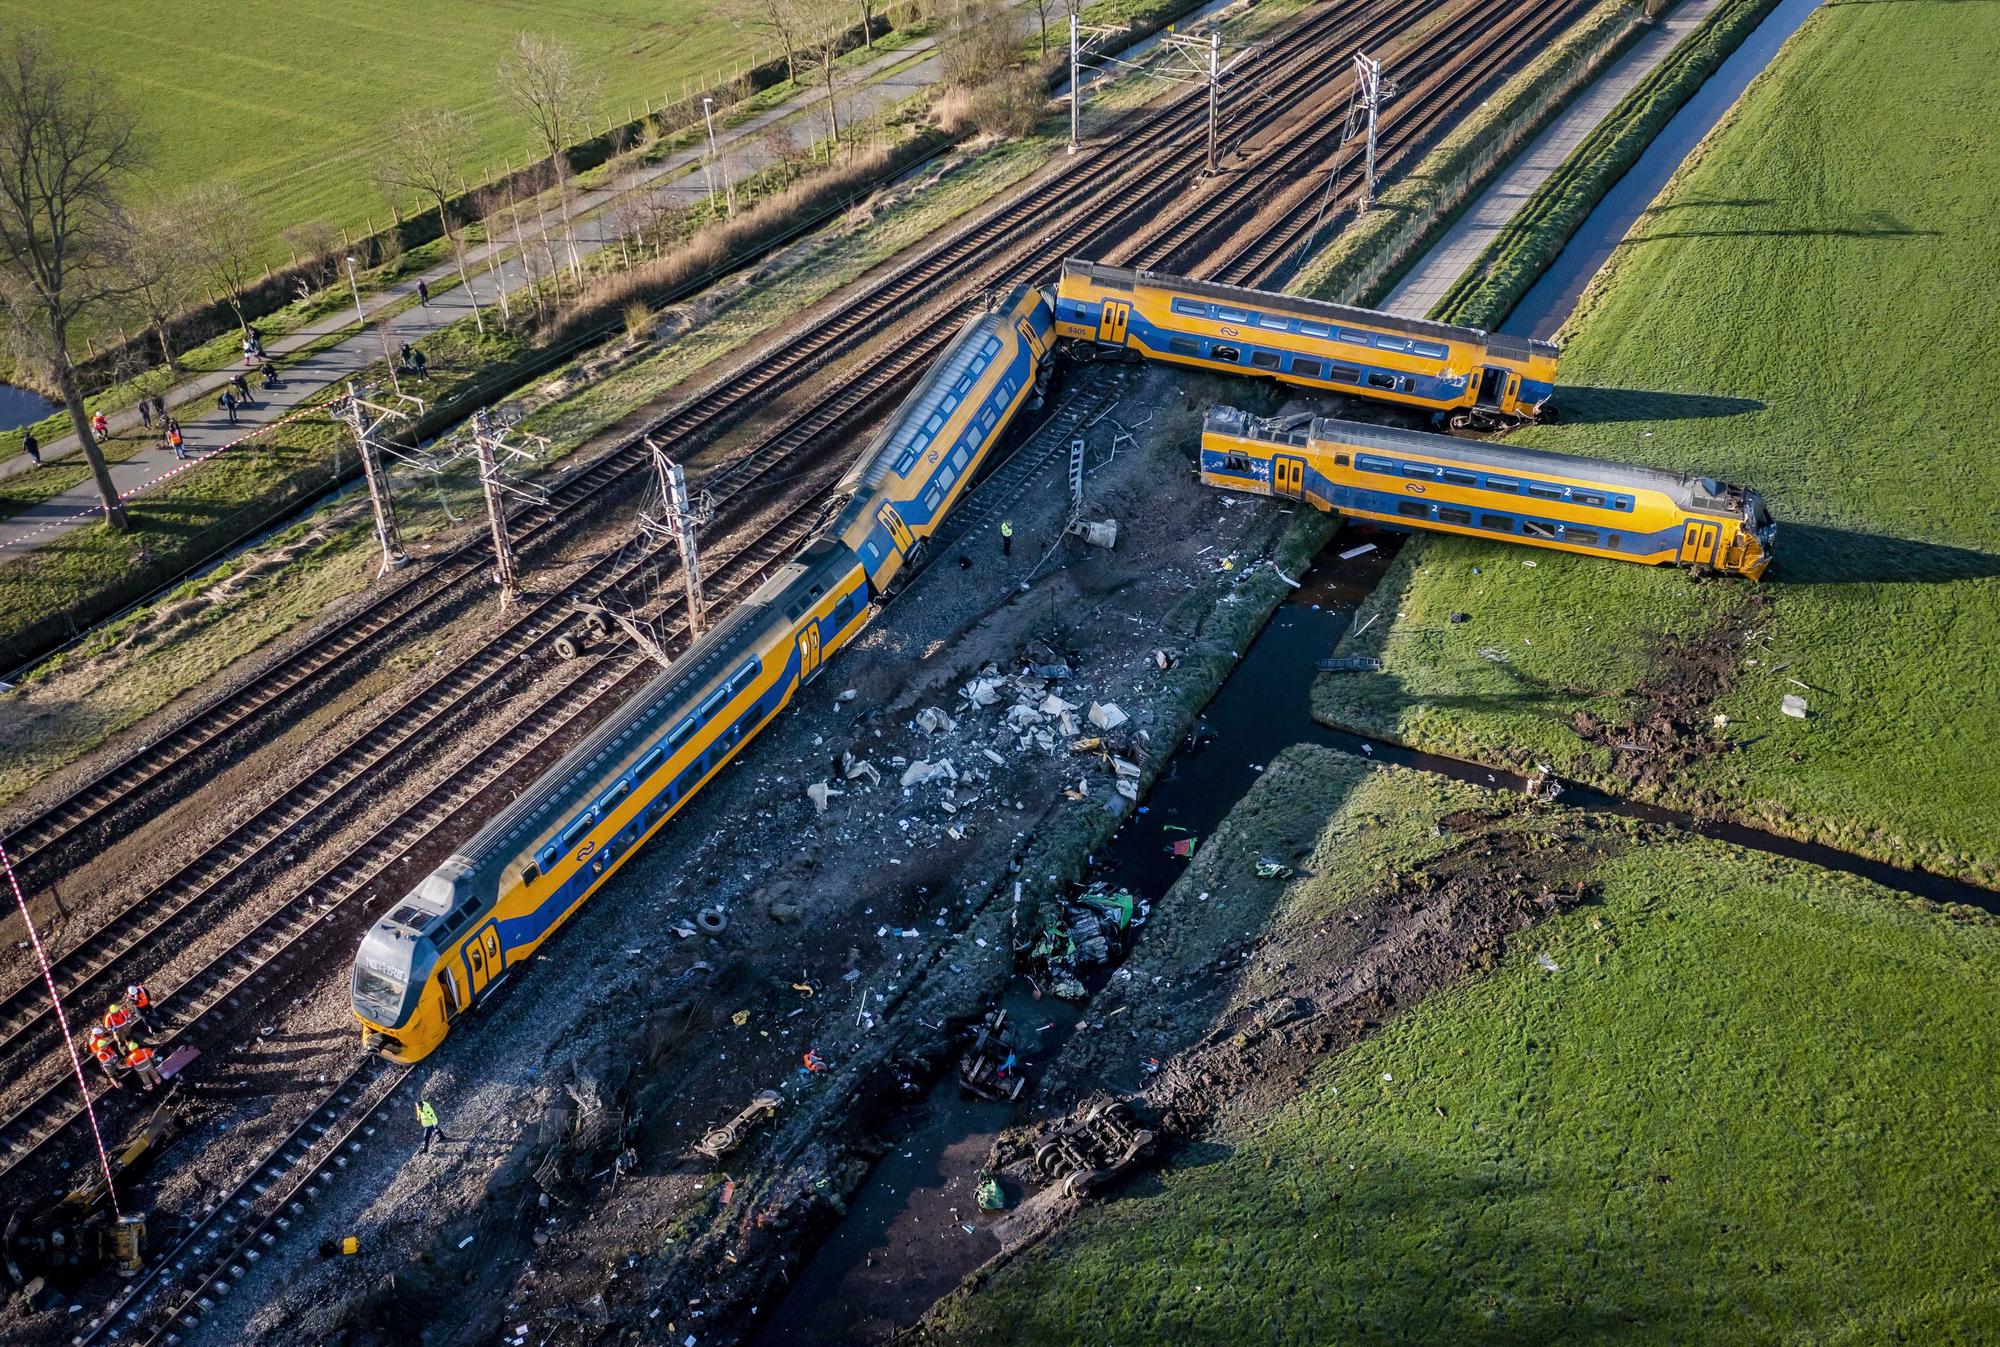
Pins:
x: 1563, y: 502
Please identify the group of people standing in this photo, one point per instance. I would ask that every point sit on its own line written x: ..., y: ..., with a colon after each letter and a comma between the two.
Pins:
x: 117, y: 1043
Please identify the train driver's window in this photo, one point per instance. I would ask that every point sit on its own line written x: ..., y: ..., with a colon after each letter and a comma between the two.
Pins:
x: 1340, y: 460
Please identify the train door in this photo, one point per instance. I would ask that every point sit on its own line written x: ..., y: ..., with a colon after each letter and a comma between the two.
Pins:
x: 1492, y: 386
x: 1112, y: 320
x: 899, y: 532
x: 1698, y: 544
x: 1288, y: 476
x: 454, y: 998
x: 808, y: 651
x: 482, y: 957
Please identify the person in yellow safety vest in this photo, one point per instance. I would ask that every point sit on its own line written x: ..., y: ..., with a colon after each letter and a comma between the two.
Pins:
x: 118, y: 1020
x: 105, y: 1049
x: 140, y: 1059
x: 427, y: 1117
x: 1006, y: 537
x: 140, y: 1002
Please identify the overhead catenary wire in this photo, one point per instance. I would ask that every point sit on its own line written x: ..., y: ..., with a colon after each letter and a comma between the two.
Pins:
x: 62, y: 1023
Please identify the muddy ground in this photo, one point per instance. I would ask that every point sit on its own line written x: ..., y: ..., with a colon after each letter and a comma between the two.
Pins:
x: 854, y: 932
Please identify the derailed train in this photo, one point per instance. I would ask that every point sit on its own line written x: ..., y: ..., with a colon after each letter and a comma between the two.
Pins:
x: 452, y: 941
x: 449, y: 944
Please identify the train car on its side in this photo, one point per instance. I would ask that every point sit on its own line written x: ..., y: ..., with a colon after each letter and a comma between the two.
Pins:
x: 1409, y: 479
x: 1468, y: 377
x: 452, y: 941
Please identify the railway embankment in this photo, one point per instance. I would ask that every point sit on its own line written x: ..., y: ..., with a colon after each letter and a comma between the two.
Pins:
x: 1886, y: 592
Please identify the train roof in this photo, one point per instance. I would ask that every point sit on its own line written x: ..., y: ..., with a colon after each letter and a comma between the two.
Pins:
x: 1500, y: 343
x: 719, y: 652
x: 1492, y: 453
x: 907, y: 423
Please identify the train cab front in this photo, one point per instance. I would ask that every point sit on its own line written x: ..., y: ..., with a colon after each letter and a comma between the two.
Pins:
x: 395, y: 995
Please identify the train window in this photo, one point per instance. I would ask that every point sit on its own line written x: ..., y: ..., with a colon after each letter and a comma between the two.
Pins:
x: 1506, y: 484
x: 1307, y: 369
x: 1368, y: 463
x: 1385, y: 342
x: 1421, y: 470
x: 1340, y: 460
x: 1182, y: 346
x: 1009, y: 386
x: 1265, y: 359
x: 1534, y: 528
x: 1581, y: 537
x: 1237, y: 462
x: 578, y: 828
x: 933, y: 423
x: 529, y: 874
x: 1382, y: 381
x: 1611, y: 540
x: 1229, y: 315
x: 946, y: 476
x: 681, y: 734
x: 1587, y: 498
x: 1460, y: 477
x: 1544, y: 491
x: 1499, y: 523
x: 1314, y: 329
x: 1354, y: 338
x: 933, y: 497
x: 1228, y: 353
x: 1415, y: 509
x: 1344, y: 374
x: 648, y: 764
x: 1190, y: 308
x: 1431, y: 349
x: 1449, y: 515
x: 548, y: 856
x: 609, y: 800
x: 1274, y: 322
x: 963, y: 454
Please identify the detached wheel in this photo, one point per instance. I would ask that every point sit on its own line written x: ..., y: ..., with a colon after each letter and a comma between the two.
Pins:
x: 567, y: 648
x: 711, y: 921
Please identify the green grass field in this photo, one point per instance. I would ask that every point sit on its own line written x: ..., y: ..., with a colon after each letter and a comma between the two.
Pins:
x: 1802, y: 312
x: 1753, y: 1104
x: 293, y: 101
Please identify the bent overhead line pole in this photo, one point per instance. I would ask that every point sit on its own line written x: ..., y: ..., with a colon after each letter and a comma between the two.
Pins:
x: 365, y: 421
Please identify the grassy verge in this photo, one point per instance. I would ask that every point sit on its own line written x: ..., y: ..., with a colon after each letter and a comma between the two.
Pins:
x: 1720, y: 1119
x: 1723, y: 339
x: 1530, y: 241
x: 1420, y: 204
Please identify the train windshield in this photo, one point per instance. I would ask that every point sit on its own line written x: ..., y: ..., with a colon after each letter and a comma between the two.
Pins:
x: 378, y: 990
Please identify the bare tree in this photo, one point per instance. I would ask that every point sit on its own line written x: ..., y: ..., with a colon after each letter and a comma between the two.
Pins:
x: 543, y: 80
x: 223, y: 232
x: 868, y: 24
x: 312, y: 243
x: 160, y: 269
x: 1043, y: 8
x: 820, y: 24
x: 426, y: 151
x: 64, y: 146
x: 776, y: 19
x: 491, y: 203
x: 977, y: 42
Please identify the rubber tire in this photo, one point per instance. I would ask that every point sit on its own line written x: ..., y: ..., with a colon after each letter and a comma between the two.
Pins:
x: 711, y: 921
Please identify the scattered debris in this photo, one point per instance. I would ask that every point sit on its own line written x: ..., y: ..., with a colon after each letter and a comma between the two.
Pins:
x: 720, y: 1141
x: 818, y: 792
x: 990, y: 1067
x: 990, y: 1195
x: 932, y: 720
x: 1361, y: 551
x: 1548, y: 963
x: 1349, y: 664
x: 1793, y: 705
x: 1097, y: 532
x: 1268, y: 868
x: 1106, y: 715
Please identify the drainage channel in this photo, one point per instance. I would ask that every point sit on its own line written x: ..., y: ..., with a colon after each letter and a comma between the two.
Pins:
x: 912, y: 1232
x: 1550, y: 300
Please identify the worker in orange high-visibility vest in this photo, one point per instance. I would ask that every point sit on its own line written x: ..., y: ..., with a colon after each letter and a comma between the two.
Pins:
x: 118, y: 1020
x: 140, y: 1059
x: 140, y: 1002
x: 105, y: 1049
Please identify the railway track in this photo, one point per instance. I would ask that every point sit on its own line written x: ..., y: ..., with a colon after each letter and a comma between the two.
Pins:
x: 120, y: 796
x: 100, y: 961
x: 604, y: 681
x: 233, y: 1235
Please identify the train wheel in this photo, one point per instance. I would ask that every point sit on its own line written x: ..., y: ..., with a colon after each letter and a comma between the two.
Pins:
x: 567, y: 648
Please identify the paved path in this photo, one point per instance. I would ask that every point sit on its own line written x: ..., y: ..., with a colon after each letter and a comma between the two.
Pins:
x: 870, y: 87
x: 1418, y: 293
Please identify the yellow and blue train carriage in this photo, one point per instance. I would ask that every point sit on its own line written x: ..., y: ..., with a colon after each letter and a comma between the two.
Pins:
x: 1469, y: 377
x: 448, y: 944
x: 1408, y: 479
x: 925, y: 456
